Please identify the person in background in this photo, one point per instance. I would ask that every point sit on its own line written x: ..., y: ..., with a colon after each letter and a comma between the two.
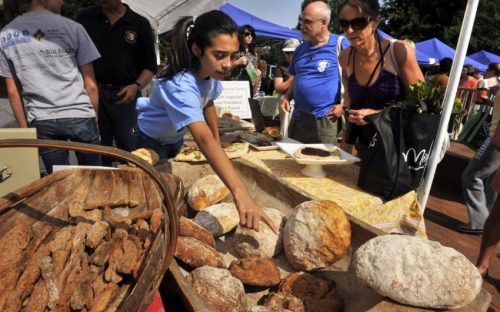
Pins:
x: 202, y: 53
x: 128, y: 63
x: 488, y: 83
x: 283, y: 81
x: 46, y: 60
x: 467, y: 81
x: 376, y: 72
x: 316, y: 86
x: 479, y: 196
x: 246, y: 66
x: 266, y: 83
x: 491, y: 236
x: 444, y: 71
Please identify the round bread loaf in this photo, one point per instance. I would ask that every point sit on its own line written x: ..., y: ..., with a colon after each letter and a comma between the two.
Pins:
x: 218, y: 289
x: 192, y: 229
x: 265, y: 243
x: 416, y: 271
x: 206, y: 192
x: 196, y: 254
x: 317, y: 234
x: 218, y: 219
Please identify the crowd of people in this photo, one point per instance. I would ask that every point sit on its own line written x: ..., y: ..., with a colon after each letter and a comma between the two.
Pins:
x: 81, y: 81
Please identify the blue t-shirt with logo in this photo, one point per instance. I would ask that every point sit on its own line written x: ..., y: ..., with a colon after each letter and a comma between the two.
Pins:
x: 317, y: 85
x: 174, y: 104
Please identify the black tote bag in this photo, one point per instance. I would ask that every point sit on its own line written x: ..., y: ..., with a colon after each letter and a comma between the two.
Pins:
x: 397, y: 155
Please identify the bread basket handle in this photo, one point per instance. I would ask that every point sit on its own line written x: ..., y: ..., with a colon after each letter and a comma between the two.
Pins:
x: 121, y: 155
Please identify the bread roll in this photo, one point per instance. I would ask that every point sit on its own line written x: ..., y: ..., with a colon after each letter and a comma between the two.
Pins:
x: 316, y: 235
x: 218, y: 289
x: 256, y: 271
x: 218, y: 219
x: 205, y: 192
x: 192, y: 229
x: 196, y: 254
x: 150, y: 156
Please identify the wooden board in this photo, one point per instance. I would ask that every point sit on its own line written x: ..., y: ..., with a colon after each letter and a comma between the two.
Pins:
x: 270, y: 191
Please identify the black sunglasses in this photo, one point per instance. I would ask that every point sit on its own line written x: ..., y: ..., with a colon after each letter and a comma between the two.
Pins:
x: 358, y: 23
x: 247, y: 34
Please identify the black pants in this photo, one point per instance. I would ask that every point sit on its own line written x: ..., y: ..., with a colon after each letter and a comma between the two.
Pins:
x: 116, y: 121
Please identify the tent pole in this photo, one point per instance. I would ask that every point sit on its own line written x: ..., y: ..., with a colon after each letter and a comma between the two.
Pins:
x: 449, y: 98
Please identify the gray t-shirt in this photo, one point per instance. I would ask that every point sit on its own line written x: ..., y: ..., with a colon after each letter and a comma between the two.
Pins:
x: 44, y: 51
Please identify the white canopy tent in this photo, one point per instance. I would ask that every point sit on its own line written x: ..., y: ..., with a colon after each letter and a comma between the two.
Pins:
x: 162, y: 14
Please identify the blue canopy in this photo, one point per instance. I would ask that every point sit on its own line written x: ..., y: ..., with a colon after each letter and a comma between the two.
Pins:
x: 485, y: 57
x: 262, y: 27
x: 437, y: 49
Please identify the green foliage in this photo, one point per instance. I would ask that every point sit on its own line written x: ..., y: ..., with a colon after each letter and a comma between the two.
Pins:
x: 432, y: 94
x: 420, y: 20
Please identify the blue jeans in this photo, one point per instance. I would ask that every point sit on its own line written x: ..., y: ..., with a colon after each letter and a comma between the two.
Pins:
x: 163, y: 150
x: 82, y: 130
x: 116, y: 121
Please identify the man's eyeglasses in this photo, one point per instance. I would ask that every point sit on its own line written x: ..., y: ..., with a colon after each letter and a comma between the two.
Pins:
x: 305, y: 21
x: 359, y: 23
x: 247, y: 34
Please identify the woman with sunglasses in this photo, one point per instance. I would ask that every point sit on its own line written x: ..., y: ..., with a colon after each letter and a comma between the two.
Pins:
x: 246, y: 66
x: 376, y: 72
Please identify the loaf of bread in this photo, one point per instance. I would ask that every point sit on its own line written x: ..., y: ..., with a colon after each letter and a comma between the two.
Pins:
x: 317, y: 234
x: 206, y: 192
x: 218, y: 289
x: 192, y: 229
x: 315, y: 292
x: 196, y: 254
x: 416, y: 271
x: 150, y: 156
x: 265, y: 243
x: 218, y: 219
x: 256, y: 271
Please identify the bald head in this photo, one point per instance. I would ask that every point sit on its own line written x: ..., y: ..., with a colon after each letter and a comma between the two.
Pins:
x: 318, y: 8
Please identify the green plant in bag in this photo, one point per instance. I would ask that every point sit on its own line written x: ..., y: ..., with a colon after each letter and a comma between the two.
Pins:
x: 432, y: 94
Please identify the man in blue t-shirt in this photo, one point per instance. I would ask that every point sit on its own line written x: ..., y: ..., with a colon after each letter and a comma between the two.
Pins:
x: 316, y: 88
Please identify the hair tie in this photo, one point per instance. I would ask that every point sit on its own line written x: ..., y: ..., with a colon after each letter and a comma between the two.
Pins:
x: 189, y: 30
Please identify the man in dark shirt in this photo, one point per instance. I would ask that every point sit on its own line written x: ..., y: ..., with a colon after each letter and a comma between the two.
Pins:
x: 128, y: 63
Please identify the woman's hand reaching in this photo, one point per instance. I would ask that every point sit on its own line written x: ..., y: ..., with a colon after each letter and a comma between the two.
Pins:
x: 251, y: 214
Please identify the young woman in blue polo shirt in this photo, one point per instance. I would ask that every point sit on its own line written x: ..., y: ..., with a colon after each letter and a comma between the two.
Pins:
x: 202, y: 53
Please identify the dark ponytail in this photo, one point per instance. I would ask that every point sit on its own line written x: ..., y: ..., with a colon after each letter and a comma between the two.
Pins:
x: 200, y: 31
x: 11, y: 9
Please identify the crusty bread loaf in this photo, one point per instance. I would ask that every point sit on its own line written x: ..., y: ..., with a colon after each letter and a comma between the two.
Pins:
x: 192, y: 229
x: 442, y: 278
x: 218, y: 219
x: 205, y: 192
x: 316, y: 292
x: 273, y: 133
x: 265, y: 243
x: 196, y: 254
x: 150, y: 156
x: 219, y: 289
x: 317, y: 234
x: 256, y: 271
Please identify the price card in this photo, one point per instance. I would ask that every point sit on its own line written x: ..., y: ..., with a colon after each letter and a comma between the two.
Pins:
x: 234, y: 99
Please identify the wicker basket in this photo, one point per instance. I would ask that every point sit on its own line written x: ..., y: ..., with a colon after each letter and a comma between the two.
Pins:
x: 41, y: 201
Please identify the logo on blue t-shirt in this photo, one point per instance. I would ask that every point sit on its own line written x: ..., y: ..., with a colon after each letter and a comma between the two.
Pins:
x: 39, y: 35
x: 322, y: 65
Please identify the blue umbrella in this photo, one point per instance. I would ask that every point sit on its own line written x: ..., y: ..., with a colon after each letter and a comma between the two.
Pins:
x: 485, y: 57
x: 437, y: 49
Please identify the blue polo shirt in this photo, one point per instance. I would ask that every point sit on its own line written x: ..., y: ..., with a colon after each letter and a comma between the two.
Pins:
x: 174, y: 104
x: 317, y: 84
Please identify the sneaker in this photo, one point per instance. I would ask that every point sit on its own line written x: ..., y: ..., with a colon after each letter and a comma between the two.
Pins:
x: 465, y: 228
